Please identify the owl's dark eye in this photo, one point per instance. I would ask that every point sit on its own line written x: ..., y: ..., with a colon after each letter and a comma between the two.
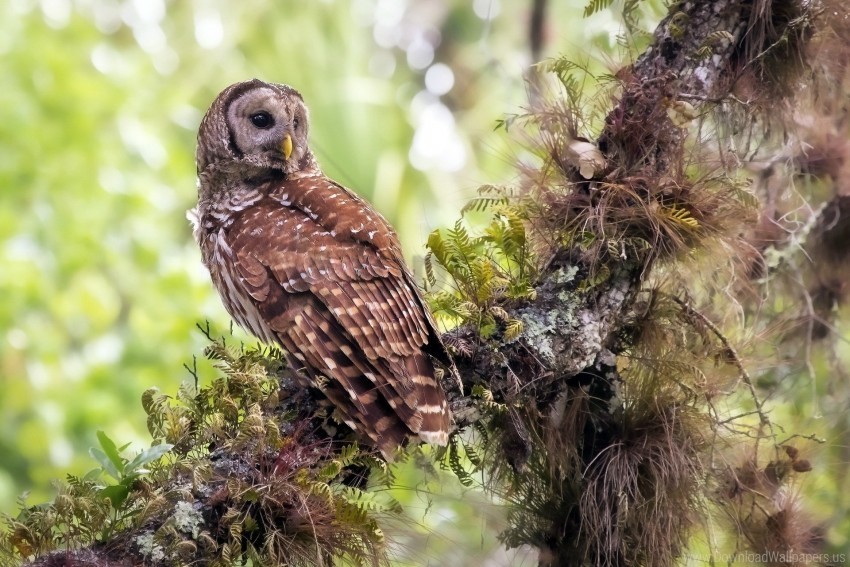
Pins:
x: 295, y: 124
x: 262, y: 119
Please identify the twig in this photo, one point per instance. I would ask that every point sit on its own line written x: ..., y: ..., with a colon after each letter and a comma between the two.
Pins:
x: 193, y: 370
x: 205, y: 330
x: 745, y: 376
x: 810, y: 437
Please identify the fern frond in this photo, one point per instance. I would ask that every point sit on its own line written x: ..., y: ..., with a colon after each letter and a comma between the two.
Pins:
x: 682, y: 217
x: 479, y: 204
x: 452, y: 462
x: 596, y: 6
x: 513, y: 329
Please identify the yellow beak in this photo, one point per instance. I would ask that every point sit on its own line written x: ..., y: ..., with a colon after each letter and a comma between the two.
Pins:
x: 287, y: 146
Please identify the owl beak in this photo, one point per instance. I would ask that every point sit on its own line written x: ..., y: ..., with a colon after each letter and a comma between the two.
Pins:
x: 286, y: 146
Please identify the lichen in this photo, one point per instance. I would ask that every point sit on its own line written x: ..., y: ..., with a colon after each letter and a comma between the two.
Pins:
x: 539, y: 330
x: 564, y: 275
x: 149, y: 549
x: 187, y: 519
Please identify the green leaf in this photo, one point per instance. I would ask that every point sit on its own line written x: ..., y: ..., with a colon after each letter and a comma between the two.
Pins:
x: 116, y: 493
x: 105, y: 463
x: 111, y: 451
x: 92, y: 475
x: 147, y: 456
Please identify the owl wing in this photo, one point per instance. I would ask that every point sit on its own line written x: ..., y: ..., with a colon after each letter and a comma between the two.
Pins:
x: 327, y: 277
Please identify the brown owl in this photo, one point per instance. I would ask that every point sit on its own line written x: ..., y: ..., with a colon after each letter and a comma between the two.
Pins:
x: 301, y: 261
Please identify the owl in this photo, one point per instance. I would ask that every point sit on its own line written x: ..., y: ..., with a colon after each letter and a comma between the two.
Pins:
x: 303, y: 262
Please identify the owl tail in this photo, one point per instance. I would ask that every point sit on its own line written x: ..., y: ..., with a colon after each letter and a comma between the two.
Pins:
x: 431, y: 401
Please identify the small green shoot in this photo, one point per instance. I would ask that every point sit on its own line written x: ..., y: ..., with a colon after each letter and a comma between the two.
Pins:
x: 124, y: 471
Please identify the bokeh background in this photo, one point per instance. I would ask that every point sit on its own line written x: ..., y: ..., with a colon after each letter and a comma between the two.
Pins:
x: 101, y: 284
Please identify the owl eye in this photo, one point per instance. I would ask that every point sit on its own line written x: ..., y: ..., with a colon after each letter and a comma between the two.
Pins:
x: 295, y: 124
x: 262, y: 119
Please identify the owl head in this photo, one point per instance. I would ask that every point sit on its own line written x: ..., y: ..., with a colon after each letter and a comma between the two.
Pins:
x: 256, y: 125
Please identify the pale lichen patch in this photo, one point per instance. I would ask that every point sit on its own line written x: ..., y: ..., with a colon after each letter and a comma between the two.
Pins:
x: 187, y: 519
x: 149, y: 549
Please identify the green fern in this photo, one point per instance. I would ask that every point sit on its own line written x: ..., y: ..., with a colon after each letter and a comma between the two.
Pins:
x: 483, y: 269
x: 453, y: 460
x: 596, y: 6
x: 491, y: 197
x: 567, y: 72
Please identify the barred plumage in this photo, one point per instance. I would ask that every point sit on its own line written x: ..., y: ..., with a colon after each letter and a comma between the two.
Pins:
x: 301, y: 261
